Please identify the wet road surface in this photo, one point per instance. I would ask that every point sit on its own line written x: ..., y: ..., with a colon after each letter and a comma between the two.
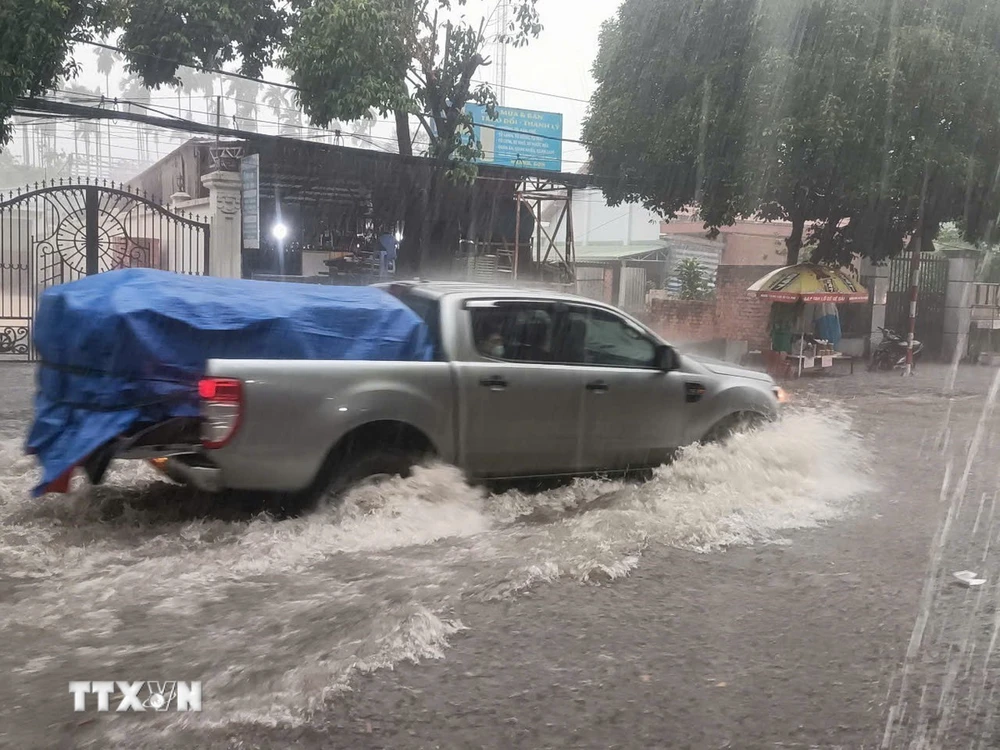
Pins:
x: 790, y: 590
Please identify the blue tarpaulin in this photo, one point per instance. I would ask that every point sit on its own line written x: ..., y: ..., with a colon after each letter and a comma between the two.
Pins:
x: 125, y: 349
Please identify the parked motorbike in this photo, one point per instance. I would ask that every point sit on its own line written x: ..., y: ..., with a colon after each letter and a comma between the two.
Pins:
x: 890, y: 354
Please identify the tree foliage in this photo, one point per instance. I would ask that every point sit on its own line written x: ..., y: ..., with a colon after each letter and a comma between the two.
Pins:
x: 671, y: 91
x: 844, y: 110
x: 35, y: 42
x: 693, y: 279
x: 350, y: 57
x: 159, y: 35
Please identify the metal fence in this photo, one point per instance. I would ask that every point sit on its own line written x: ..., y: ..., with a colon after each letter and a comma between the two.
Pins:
x: 930, y: 300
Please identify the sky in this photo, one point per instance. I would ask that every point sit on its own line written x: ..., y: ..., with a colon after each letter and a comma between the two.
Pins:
x: 557, y: 63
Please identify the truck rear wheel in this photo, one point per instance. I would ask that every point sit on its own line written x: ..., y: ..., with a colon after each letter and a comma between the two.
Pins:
x: 344, y: 472
x: 375, y: 464
x: 375, y: 450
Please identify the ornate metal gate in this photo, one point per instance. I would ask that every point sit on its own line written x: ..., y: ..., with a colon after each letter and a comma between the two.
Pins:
x: 54, y: 233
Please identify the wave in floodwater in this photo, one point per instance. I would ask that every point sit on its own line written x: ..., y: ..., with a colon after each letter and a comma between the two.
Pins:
x: 137, y: 577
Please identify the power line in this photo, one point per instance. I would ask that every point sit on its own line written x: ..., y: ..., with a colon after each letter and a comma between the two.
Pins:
x: 541, y: 93
x: 32, y: 107
x: 196, y: 66
x: 292, y: 87
x: 324, y: 130
x: 320, y: 132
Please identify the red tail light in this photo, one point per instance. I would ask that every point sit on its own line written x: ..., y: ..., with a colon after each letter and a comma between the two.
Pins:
x: 220, y: 389
x: 221, y: 410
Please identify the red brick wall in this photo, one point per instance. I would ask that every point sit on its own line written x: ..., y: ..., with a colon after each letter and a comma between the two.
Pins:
x: 741, y: 316
x: 680, y: 320
x: 733, y: 315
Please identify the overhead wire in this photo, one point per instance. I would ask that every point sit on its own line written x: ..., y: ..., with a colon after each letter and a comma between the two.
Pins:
x: 293, y: 87
x: 321, y: 132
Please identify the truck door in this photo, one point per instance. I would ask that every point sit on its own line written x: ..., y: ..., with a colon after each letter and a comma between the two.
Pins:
x: 519, y: 406
x: 633, y: 412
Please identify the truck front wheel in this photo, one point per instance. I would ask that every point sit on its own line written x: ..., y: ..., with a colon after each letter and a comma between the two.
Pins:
x: 733, y: 424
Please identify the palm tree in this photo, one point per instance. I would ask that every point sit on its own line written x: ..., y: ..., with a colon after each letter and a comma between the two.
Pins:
x: 362, y: 128
x: 194, y: 81
x: 245, y: 95
x: 137, y: 96
x: 274, y: 97
x: 291, y: 120
x: 84, y: 130
x: 106, y: 61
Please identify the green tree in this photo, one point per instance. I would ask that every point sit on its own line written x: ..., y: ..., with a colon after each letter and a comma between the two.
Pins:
x: 399, y: 57
x: 159, y: 35
x: 35, y: 48
x: 352, y: 59
x: 106, y: 61
x: 693, y: 279
x: 667, y: 121
x: 851, y: 116
x: 813, y: 126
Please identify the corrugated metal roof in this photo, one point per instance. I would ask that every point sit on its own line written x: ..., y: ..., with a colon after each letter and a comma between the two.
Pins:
x: 616, y: 252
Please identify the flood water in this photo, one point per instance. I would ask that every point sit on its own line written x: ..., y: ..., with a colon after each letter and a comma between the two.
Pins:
x: 140, y: 579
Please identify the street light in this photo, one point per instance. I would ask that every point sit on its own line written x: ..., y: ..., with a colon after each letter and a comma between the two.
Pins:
x: 279, y: 231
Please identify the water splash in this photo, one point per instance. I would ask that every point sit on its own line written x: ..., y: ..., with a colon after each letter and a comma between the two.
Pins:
x: 141, y: 574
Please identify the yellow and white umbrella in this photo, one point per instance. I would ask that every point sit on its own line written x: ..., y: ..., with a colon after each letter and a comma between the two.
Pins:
x: 810, y: 283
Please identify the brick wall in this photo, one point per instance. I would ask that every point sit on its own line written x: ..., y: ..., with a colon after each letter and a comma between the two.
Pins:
x: 733, y: 315
x: 741, y: 316
x: 680, y: 320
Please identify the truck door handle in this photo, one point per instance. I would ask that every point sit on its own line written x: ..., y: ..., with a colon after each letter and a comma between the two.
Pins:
x: 494, y: 383
x: 598, y: 386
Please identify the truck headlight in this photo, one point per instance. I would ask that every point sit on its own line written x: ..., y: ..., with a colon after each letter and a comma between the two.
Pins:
x: 781, y: 394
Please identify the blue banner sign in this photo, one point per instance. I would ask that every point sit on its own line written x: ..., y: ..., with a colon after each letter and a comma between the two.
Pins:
x: 520, y: 138
x: 250, y: 203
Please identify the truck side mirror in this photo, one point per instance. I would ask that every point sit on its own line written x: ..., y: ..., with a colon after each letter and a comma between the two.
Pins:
x: 667, y: 358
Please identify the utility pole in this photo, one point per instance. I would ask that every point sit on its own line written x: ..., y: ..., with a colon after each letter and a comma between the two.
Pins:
x: 915, y: 271
x: 503, y: 19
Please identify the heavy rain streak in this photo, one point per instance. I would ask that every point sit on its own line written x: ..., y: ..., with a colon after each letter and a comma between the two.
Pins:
x: 500, y: 374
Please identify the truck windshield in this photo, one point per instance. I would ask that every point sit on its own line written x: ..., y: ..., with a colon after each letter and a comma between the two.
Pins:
x: 429, y: 310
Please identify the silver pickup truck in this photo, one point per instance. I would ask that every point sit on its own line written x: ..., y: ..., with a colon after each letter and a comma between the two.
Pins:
x: 526, y: 383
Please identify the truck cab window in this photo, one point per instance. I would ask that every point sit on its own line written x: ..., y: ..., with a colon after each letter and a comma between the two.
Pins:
x: 612, y: 342
x: 516, y: 332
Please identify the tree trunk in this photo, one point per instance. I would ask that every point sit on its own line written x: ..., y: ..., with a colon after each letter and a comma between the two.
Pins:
x: 403, y: 133
x: 794, y: 242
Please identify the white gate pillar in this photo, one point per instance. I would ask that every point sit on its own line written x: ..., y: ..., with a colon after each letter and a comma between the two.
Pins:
x: 226, y: 245
x: 879, y: 291
x: 958, y: 308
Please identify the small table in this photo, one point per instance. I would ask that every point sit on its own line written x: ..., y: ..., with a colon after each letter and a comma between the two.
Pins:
x: 814, y: 364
